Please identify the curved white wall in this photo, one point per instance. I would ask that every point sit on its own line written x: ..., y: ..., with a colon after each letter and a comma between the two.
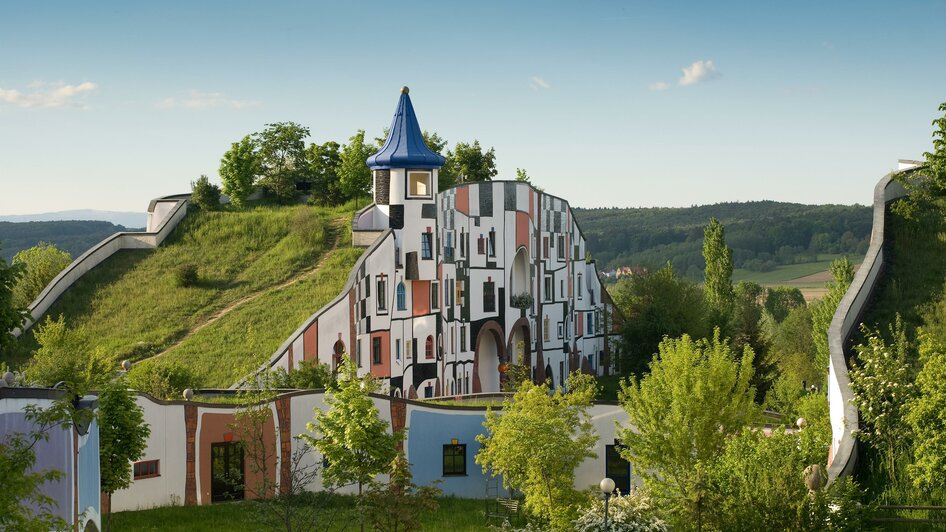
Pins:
x: 844, y: 416
x: 163, y: 216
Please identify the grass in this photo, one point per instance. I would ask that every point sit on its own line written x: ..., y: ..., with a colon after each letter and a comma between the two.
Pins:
x: 789, y: 272
x: 453, y: 515
x: 130, y: 307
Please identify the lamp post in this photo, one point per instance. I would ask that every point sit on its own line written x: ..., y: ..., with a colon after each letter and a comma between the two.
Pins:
x: 607, y: 487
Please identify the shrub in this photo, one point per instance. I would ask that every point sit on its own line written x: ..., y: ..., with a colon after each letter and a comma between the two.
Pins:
x: 205, y: 194
x: 166, y: 381
x: 185, y: 275
x: 521, y: 301
x: 307, y: 375
x: 626, y: 513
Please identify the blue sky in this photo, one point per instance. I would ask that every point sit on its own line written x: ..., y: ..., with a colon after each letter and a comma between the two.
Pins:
x: 107, y: 105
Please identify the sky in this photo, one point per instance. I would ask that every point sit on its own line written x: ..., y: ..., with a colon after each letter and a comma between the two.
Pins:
x: 629, y: 104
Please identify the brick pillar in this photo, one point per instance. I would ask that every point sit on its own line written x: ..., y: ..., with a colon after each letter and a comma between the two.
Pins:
x: 398, y: 418
x: 284, y: 415
x: 190, y: 482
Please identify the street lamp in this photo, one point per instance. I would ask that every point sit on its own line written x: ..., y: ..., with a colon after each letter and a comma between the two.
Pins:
x: 607, y: 488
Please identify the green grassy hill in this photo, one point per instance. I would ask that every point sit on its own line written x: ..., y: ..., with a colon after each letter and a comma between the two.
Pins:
x: 261, y: 272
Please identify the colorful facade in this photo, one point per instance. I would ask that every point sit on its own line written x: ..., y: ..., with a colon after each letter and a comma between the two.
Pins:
x: 458, y: 285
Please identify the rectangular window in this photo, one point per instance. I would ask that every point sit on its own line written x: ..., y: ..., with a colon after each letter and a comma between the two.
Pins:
x: 561, y: 330
x: 427, y: 246
x: 382, y: 294
x: 376, y: 350
x: 489, y: 296
x: 147, y: 469
x: 358, y: 353
x: 561, y: 374
x: 545, y: 247
x: 546, y: 336
x: 591, y: 323
x: 462, y: 243
x: 418, y: 185
x: 598, y: 326
x: 451, y: 292
x: 578, y: 289
x: 462, y: 338
x: 397, y: 350
x: 481, y: 245
x: 492, y: 242
x: 367, y: 286
x: 561, y: 247
x: 549, y: 294
x: 453, y: 339
x: 434, y: 295
x: 454, y: 459
x: 461, y: 292
x: 561, y: 285
x: 448, y: 246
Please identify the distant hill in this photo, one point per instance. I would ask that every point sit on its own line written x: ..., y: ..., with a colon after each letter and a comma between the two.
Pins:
x: 763, y: 234
x: 127, y: 219
x: 72, y: 236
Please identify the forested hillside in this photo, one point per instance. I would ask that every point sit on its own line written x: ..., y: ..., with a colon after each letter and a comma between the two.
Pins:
x: 762, y: 234
x: 74, y: 236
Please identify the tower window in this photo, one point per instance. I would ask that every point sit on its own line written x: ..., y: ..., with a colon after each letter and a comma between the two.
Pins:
x: 381, y: 295
x: 429, y: 348
x: 426, y: 246
x: 401, y: 297
x: 418, y: 184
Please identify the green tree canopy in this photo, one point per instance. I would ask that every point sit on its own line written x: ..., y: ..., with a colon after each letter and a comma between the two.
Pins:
x: 559, y: 435
x: 927, y: 418
x: 123, y: 436
x: 655, y: 304
x: 696, y: 396
x: 717, y: 276
x: 822, y: 312
x: 324, y: 164
x: 468, y: 163
x: 780, y: 300
x: 238, y: 170
x: 353, y: 171
x: 11, y: 314
x: 205, y: 194
x: 354, y: 440
x: 282, y: 158
x: 58, y: 359
x: 40, y: 264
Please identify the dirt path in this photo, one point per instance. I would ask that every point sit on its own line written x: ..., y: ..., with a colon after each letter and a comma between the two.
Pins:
x: 337, y: 226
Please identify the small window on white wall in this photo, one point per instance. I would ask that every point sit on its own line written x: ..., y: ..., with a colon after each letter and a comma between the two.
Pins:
x: 418, y: 184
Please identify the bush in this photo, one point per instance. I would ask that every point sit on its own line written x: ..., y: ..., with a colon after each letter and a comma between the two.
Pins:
x: 626, y: 513
x: 205, y: 194
x: 307, y: 375
x: 166, y: 381
x: 185, y: 275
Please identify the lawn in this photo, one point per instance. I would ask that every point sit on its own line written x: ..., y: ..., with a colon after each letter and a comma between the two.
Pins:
x: 782, y: 274
x: 131, y: 308
x: 453, y: 515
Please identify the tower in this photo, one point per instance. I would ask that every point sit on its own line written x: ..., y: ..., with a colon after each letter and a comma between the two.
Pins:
x: 405, y: 173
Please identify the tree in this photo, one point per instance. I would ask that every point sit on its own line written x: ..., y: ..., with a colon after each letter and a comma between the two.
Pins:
x: 793, y: 351
x: 162, y: 381
x: 468, y: 163
x: 717, y: 276
x: 695, y: 397
x: 523, y: 177
x: 123, y: 436
x: 238, y: 170
x: 12, y: 315
x: 205, y: 194
x: 59, y: 359
x: 350, y: 435
x: 746, y: 329
x: 655, y: 305
x: 397, y: 506
x: 324, y: 164
x: 282, y: 158
x: 780, y: 300
x: 927, y: 418
x: 928, y: 181
x: 823, y: 311
x: 560, y: 436
x: 353, y: 172
x: 39, y: 265
x: 308, y: 374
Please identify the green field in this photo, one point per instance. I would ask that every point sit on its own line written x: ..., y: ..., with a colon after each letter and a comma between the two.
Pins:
x: 453, y: 515
x: 257, y: 282
x: 791, y: 272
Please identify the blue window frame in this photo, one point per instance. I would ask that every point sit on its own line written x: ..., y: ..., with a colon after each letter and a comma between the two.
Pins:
x: 401, y: 297
x: 426, y: 246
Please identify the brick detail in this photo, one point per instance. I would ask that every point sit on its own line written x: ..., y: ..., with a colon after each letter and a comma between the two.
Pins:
x: 190, y: 480
x: 398, y: 418
x: 284, y: 415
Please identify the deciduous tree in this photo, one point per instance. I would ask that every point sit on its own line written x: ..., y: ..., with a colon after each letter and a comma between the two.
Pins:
x: 927, y: 418
x: 205, y: 194
x: 353, y: 172
x: 780, y: 300
x: 822, y: 312
x: 696, y: 396
x: 468, y: 163
x: 282, y: 158
x: 11, y: 314
x: 717, y: 276
x: 123, y: 437
x: 39, y: 265
x: 238, y: 170
x: 559, y: 435
x: 324, y: 165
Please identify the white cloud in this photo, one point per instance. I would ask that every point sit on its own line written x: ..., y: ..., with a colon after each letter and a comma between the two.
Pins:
x: 204, y: 100
x: 659, y: 86
x: 698, y: 72
x: 42, y: 94
x: 539, y: 84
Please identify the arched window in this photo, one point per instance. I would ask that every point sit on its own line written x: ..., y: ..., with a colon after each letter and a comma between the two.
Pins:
x: 401, y: 297
x: 429, y: 348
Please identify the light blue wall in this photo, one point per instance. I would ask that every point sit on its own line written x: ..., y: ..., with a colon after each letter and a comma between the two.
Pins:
x: 89, y: 472
x: 428, y: 432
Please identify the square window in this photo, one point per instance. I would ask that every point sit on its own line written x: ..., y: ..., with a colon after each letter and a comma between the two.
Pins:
x: 454, y: 459
x: 418, y: 185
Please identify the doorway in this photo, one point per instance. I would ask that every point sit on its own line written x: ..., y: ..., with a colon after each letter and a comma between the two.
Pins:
x: 226, y: 469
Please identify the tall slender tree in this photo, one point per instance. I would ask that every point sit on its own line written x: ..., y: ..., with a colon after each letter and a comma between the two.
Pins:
x: 123, y: 437
x: 238, y: 170
x: 717, y: 277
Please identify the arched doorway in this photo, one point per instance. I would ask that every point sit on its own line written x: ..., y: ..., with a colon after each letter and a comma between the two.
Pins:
x: 490, y: 349
x: 519, y: 275
x: 519, y: 347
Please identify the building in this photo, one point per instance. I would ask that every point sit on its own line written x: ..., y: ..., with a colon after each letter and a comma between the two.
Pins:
x: 456, y: 285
